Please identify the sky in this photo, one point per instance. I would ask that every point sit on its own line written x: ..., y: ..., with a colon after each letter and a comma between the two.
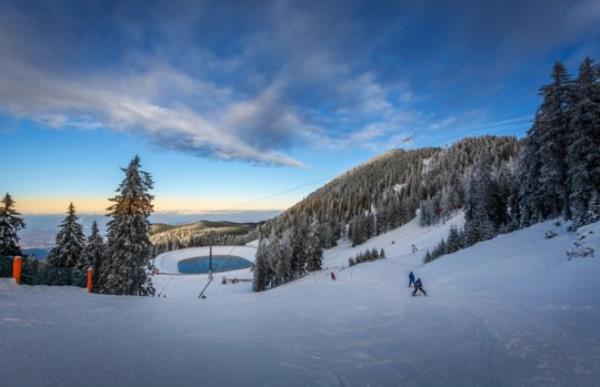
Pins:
x: 237, y: 106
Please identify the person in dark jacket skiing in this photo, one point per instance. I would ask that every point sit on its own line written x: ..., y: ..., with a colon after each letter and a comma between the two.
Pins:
x: 411, y: 279
x: 418, y: 286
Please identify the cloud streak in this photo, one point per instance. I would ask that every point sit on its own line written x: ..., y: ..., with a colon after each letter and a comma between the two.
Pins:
x: 59, y: 103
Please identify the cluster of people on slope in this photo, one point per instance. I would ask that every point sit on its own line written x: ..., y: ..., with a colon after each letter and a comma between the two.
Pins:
x: 418, y: 284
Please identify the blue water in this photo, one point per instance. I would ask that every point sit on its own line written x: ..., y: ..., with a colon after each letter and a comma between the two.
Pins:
x: 220, y: 263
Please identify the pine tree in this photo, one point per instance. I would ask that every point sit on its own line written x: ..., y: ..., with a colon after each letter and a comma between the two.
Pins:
x: 128, y: 246
x: 262, y: 272
x: 481, y: 206
x: 70, y: 243
x: 528, y: 173
x: 94, y: 252
x: 553, y: 133
x: 358, y: 230
x: 593, y: 210
x: 428, y: 258
x: 470, y: 235
x: 10, y: 225
x: 584, y: 141
x: 382, y: 253
x: 315, y: 252
x: 453, y: 240
x: 299, y: 249
x: 283, y: 261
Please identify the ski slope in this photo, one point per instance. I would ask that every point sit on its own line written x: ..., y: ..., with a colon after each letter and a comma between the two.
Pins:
x: 512, y: 311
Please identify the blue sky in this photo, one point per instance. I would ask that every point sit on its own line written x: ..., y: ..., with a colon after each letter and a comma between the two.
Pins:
x: 227, y: 102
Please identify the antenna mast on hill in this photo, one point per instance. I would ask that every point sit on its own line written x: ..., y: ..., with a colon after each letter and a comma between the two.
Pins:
x: 210, y: 274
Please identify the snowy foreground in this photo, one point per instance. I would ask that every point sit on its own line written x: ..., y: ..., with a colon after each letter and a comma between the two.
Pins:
x: 513, y: 311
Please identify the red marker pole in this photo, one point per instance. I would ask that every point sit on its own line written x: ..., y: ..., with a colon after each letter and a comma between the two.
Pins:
x: 89, y: 280
x: 17, y: 269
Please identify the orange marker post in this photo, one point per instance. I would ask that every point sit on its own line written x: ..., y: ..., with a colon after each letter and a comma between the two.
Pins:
x: 89, y: 280
x: 17, y: 269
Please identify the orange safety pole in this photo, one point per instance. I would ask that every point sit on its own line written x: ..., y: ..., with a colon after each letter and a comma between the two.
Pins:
x: 89, y: 280
x: 17, y: 269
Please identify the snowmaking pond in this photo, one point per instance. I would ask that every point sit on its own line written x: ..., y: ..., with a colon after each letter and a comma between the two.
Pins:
x: 195, y: 260
x: 220, y: 263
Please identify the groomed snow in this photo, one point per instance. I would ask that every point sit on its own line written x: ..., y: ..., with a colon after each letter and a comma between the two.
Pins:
x: 513, y: 311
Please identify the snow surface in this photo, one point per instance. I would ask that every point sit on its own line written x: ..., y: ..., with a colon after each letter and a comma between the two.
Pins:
x: 513, y: 311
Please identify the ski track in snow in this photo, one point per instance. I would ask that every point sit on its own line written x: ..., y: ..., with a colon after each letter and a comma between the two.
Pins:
x: 512, y: 311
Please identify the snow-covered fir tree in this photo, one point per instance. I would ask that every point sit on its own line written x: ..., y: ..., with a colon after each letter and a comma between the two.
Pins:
x: 544, y: 186
x: 299, y: 244
x: 553, y: 133
x: 559, y: 162
x: 262, y: 271
x: 70, y: 243
x: 10, y: 225
x: 528, y: 173
x: 584, y: 141
x: 128, y: 247
x: 454, y: 242
x: 315, y: 252
x: 428, y: 258
x: 94, y: 252
x: 593, y: 210
x: 282, y: 262
x: 481, y: 208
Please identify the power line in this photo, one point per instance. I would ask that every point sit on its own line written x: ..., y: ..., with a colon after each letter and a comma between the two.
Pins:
x: 279, y: 193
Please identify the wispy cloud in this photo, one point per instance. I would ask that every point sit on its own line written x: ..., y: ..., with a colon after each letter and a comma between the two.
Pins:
x: 99, y: 102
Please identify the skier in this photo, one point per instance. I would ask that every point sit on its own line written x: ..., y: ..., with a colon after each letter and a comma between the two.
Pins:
x: 414, y: 249
x: 411, y: 279
x: 419, y: 286
x: 333, y: 276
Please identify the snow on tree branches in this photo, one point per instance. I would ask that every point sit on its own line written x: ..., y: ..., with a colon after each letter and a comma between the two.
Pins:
x: 129, y: 250
x: 70, y: 242
x: 10, y: 225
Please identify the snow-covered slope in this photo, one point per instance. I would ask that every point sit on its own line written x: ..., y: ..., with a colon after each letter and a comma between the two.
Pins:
x: 397, y: 243
x: 513, y: 311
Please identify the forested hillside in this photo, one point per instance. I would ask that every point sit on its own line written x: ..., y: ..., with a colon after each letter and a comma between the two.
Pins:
x: 378, y: 196
x: 166, y: 237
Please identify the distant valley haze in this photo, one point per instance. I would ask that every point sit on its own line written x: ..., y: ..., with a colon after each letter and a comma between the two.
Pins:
x: 42, y: 228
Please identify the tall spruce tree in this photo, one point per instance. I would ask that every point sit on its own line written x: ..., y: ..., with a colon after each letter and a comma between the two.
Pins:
x: 70, y: 242
x: 315, y: 252
x: 282, y: 265
x: 453, y: 243
x: 262, y: 272
x: 584, y: 141
x: 128, y: 247
x: 554, y: 187
x: 299, y: 244
x: 528, y: 174
x: 481, y: 206
x: 10, y: 225
x: 94, y: 252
